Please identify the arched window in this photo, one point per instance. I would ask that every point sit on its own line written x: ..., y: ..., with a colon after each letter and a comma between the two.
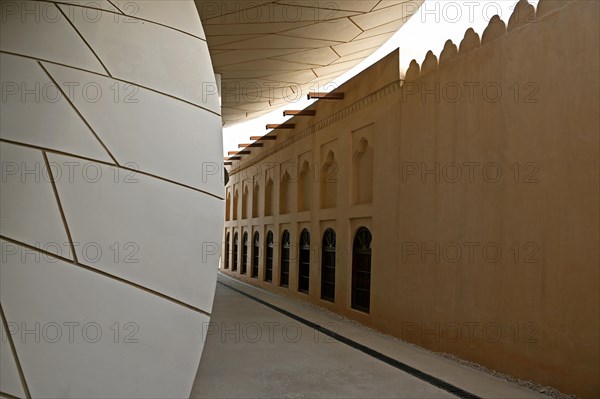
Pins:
x: 245, y: 202
x: 255, y: 200
x: 269, y: 192
x: 304, y: 256
x: 305, y: 188
x: 235, y: 252
x: 255, y: 255
x: 329, y: 182
x: 361, y: 270
x: 284, y: 272
x: 227, y: 249
x: 328, y: 266
x: 269, y: 257
x: 244, y: 253
x: 235, y: 204
x: 228, y: 207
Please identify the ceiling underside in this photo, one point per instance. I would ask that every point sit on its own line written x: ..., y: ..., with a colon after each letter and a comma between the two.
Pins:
x: 270, y: 53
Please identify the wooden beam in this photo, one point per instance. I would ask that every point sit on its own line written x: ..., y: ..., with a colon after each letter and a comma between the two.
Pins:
x: 233, y: 158
x: 269, y: 137
x: 281, y: 126
x: 250, y: 145
x: 326, y: 96
x: 238, y: 153
x: 304, y: 112
x: 228, y: 163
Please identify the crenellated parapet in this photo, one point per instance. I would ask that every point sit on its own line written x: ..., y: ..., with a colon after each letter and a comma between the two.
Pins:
x: 523, y: 14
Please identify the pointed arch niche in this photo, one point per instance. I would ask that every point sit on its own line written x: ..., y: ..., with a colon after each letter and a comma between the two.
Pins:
x: 255, y: 199
x: 362, y: 166
x: 329, y: 181
x: 305, y: 187
x: 285, y: 192
x: 269, y: 195
x: 228, y: 206
x: 236, y: 198
x: 245, y: 201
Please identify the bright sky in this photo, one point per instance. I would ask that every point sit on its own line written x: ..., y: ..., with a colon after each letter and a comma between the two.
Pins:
x: 434, y: 23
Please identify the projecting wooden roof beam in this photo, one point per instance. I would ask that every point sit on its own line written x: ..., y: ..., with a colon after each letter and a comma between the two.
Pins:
x: 325, y: 96
x: 269, y: 137
x: 281, y: 126
x: 304, y: 112
x: 250, y: 145
x: 238, y: 153
x: 232, y: 158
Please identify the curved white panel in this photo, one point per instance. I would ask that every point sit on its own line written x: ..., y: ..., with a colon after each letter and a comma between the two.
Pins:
x: 52, y: 39
x: 134, y: 193
x: 28, y: 208
x: 35, y: 112
x: 179, y: 14
x: 10, y: 381
x: 146, y: 231
x: 86, y: 347
x: 91, y: 14
x: 156, y: 57
x: 181, y: 143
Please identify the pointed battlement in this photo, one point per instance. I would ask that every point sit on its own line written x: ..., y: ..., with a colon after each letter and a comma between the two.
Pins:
x: 523, y: 14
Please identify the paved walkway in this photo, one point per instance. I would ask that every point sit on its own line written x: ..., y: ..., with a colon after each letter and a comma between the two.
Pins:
x: 272, y: 348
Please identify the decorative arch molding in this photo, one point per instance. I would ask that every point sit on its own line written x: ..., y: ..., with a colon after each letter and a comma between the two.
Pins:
x: 269, y: 196
x: 245, y: 202
x: 362, y: 173
x: 329, y: 181
x: 256, y: 199
x: 305, y: 187
x: 285, y: 193
x: 228, y: 206
x: 236, y: 201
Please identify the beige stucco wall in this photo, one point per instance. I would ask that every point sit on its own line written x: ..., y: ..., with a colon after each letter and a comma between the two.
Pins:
x: 530, y: 310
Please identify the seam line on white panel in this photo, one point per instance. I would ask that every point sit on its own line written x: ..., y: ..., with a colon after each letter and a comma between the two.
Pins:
x: 8, y: 396
x: 79, y: 113
x: 124, y: 167
x: 113, y: 4
x: 60, y: 207
x: 107, y: 275
x: 13, y: 349
x: 114, y: 78
x: 83, y: 38
x: 121, y: 13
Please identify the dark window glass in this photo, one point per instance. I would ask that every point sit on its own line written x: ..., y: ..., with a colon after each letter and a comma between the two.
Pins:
x: 244, y: 254
x: 255, y: 255
x: 269, y: 257
x: 235, y: 252
x: 284, y: 279
x: 328, y: 266
x: 361, y: 270
x: 304, y: 256
x: 227, y: 249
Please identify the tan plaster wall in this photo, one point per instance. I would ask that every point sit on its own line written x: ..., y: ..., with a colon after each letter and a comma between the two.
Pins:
x: 530, y: 311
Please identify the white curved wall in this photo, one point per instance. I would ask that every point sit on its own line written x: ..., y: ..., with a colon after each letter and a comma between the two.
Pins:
x: 111, y: 198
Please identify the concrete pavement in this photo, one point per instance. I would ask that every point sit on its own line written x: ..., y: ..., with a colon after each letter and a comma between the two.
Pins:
x: 255, y: 351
